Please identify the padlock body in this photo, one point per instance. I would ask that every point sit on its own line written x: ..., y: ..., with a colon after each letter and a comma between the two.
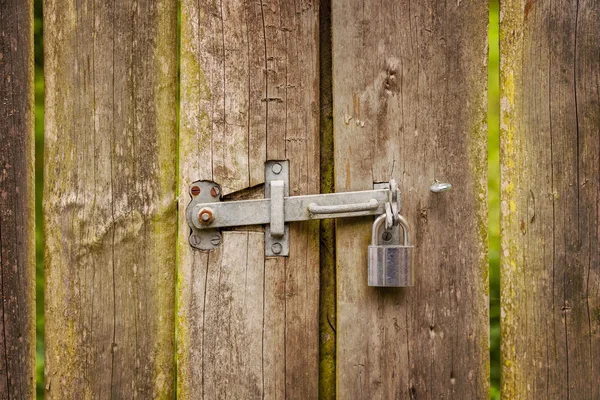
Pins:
x: 391, y: 266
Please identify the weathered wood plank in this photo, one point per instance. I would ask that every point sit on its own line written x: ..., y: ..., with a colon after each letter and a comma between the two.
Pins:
x: 248, y: 326
x: 409, y: 81
x: 110, y: 208
x: 550, y: 125
x: 17, y: 202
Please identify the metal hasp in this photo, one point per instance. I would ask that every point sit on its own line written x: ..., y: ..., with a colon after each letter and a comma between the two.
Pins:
x: 207, y: 213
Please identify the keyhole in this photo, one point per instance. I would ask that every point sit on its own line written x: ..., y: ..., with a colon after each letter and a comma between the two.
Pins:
x: 386, y: 236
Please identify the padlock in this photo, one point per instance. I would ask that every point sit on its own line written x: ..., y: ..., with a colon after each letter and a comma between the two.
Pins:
x: 391, y: 265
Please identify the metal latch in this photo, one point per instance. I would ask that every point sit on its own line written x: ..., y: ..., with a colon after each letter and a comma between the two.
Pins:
x: 207, y: 213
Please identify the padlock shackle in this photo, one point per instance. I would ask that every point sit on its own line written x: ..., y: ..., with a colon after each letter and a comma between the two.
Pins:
x: 379, y: 220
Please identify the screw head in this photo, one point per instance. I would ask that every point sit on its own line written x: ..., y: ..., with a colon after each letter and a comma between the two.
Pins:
x: 205, y: 216
x: 195, y: 240
x: 216, y: 240
x: 276, y: 168
x: 214, y: 191
x: 276, y: 248
x: 386, y: 236
x: 195, y: 190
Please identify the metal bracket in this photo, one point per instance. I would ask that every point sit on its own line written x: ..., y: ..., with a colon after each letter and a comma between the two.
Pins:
x: 206, y: 212
x: 205, y: 193
x: 277, y: 188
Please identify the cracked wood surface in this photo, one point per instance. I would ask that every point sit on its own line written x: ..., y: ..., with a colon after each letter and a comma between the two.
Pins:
x: 109, y: 205
x: 248, y: 325
x: 550, y: 152
x: 409, y: 95
x: 17, y: 203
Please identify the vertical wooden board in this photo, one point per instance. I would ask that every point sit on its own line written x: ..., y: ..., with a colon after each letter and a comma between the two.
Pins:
x: 550, y: 124
x: 109, y: 207
x: 248, y: 325
x: 409, y: 94
x: 17, y: 202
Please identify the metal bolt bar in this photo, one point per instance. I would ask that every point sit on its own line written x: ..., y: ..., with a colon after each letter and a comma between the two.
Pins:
x: 206, y: 212
x: 295, y: 208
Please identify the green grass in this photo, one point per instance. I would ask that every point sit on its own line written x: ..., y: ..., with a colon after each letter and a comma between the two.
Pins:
x: 493, y: 187
x: 494, y: 196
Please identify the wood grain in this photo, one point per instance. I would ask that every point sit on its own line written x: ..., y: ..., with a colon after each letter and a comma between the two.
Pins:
x: 409, y: 95
x: 109, y: 207
x: 248, y: 326
x: 17, y: 202
x: 550, y: 124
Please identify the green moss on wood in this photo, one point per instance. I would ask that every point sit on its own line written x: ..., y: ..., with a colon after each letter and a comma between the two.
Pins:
x: 327, y: 304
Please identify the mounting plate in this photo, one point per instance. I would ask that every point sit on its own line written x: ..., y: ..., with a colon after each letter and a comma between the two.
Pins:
x: 203, y: 192
x: 277, y: 171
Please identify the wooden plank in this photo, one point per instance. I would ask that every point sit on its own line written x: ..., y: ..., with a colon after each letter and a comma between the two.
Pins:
x: 110, y: 208
x: 409, y: 95
x: 248, y: 325
x: 550, y: 100
x: 17, y: 202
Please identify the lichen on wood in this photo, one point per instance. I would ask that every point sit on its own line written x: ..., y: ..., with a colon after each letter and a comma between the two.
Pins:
x: 549, y: 201
x: 110, y: 207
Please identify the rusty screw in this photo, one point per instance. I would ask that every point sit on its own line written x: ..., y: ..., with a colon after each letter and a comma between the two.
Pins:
x: 205, y: 216
x: 195, y: 190
x: 214, y: 191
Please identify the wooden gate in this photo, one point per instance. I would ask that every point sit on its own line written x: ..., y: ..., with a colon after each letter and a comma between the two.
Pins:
x: 145, y: 97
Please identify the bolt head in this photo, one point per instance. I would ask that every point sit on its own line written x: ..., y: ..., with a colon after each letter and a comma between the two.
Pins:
x: 214, y: 191
x: 276, y: 168
x: 216, y: 240
x: 276, y: 248
x: 205, y: 216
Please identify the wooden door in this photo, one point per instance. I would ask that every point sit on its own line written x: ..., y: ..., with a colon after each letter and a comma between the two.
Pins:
x: 409, y: 102
x: 351, y: 94
x: 248, y: 325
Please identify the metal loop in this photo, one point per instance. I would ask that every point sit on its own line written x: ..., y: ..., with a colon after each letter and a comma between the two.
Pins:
x: 389, y: 216
x: 395, y: 211
x: 379, y: 220
x: 374, y: 230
